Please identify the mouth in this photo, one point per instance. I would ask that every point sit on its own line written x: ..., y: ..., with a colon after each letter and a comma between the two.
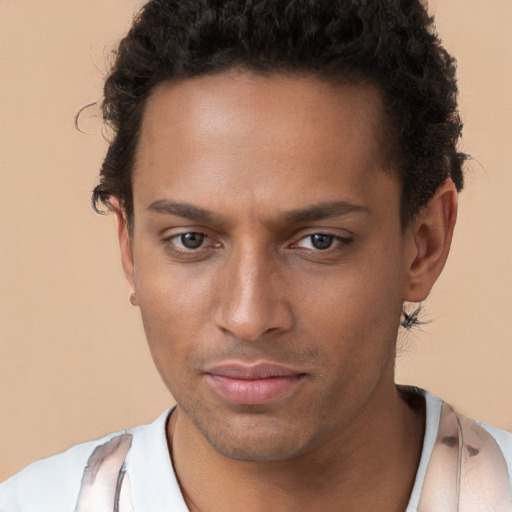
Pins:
x: 253, y: 384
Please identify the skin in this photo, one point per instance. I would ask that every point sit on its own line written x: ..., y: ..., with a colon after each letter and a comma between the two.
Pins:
x: 262, y: 164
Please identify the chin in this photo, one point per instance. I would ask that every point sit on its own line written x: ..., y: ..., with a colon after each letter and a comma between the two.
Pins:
x: 257, y: 444
x: 261, y: 452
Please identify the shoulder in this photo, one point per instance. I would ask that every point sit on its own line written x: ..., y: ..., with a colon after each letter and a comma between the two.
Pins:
x: 54, y: 481
x: 53, y: 484
x: 503, y: 440
x: 461, y: 456
x: 468, y: 459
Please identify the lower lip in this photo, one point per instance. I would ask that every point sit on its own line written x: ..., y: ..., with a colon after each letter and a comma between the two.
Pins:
x: 254, y: 391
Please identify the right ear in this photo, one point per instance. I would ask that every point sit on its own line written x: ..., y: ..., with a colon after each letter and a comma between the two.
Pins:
x: 125, y: 243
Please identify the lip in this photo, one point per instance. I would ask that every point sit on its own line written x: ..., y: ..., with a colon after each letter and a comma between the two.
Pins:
x: 253, y: 384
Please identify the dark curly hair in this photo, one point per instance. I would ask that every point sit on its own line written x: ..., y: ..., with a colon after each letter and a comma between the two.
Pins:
x: 389, y: 43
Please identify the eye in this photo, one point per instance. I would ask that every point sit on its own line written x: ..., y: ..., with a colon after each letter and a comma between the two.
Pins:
x: 190, y: 246
x: 319, y: 241
x: 190, y: 240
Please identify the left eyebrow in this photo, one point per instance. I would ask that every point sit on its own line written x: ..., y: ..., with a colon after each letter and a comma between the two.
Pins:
x: 323, y: 211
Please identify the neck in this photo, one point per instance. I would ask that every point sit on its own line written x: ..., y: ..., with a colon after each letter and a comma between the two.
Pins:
x: 370, y: 465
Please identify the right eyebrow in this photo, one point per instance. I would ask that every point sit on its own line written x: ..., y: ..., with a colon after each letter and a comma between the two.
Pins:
x: 185, y: 210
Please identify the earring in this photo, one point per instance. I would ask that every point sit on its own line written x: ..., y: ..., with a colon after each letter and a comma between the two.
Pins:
x: 133, y: 299
x: 411, y: 319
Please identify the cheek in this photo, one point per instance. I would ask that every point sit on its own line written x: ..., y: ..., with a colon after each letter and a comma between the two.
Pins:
x: 355, y: 312
x: 170, y: 292
x: 360, y: 295
x: 176, y: 309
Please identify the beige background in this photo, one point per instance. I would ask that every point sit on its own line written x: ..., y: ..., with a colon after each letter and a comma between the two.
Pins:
x: 73, y: 361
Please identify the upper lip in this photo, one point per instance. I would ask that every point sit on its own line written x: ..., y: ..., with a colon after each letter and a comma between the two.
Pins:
x: 238, y: 370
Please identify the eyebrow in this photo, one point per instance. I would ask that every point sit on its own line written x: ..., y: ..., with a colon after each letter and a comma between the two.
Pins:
x: 185, y: 210
x: 323, y: 211
x: 309, y: 214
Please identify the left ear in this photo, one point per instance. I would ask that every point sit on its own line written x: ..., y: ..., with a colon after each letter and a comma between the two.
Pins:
x: 429, y: 239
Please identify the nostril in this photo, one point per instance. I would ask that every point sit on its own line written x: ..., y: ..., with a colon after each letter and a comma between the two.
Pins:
x: 247, y: 332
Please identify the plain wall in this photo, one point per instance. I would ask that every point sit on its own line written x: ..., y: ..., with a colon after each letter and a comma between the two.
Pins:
x: 73, y: 360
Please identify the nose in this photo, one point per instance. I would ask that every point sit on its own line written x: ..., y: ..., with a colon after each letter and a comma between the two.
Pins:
x: 252, y: 302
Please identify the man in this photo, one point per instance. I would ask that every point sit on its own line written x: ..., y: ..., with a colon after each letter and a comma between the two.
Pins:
x: 284, y: 176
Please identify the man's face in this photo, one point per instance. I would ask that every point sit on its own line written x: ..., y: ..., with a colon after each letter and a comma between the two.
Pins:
x: 269, y: 262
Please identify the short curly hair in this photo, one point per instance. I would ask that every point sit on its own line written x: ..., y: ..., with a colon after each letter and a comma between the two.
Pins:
x: 389, y: 43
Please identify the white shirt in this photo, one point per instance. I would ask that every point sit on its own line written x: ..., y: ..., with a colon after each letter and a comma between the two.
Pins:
x: 53, y: 484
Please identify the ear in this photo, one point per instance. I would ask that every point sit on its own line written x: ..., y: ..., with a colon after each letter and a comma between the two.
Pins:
x: 125, y: 243
x: 429, y: 240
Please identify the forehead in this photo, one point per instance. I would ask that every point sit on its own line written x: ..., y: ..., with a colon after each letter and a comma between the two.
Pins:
x: 298, y: 136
